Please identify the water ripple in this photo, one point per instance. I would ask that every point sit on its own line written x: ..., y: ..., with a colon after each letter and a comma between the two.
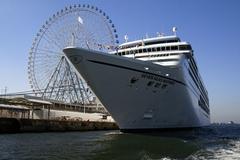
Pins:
x: 214, y: 142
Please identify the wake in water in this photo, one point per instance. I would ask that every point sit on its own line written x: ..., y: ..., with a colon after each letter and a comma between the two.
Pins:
x: 219, y: 142
x: 213, y: 142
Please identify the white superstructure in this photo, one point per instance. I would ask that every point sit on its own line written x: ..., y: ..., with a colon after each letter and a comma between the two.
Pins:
x: 153, y: 83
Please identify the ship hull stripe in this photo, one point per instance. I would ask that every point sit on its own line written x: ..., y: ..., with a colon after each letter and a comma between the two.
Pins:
x: 113, y: 65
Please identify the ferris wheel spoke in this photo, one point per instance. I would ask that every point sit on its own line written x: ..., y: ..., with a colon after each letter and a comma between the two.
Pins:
x: 51, y: 41
x: 49, y: 51
x: 57, y: 37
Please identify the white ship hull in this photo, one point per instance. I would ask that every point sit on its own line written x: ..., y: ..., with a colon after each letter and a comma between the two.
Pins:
x: 127, y: 88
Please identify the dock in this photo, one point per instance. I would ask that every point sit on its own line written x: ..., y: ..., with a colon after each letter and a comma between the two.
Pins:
x: 20, y: 114
x: 22, y: 125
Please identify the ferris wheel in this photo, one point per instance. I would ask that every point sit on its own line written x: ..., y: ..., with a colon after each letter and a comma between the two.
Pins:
x: 50, y: 74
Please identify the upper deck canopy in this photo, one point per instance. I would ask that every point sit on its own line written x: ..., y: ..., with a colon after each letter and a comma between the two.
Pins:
x: 149, y: 41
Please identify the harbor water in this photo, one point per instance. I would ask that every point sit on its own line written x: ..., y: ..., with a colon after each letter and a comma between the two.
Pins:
x: 214, y: 142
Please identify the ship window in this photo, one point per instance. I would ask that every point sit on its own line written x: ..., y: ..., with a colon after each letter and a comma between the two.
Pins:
x: 158, y: 48
x: 159, y: 42
x: 140, y: 50
x: 173, y: 54
x: 149, y: 50
x: 144, y: 50
x: 163, y: 48
x: 174, y: 48
x: 166, y: 60
x: 182, y: 47
x: 193, y: 78
x: 136, y: 51
x: 123, y: 53
x: 185, y: 47
x: 167, y: 48
x: 154, y: 49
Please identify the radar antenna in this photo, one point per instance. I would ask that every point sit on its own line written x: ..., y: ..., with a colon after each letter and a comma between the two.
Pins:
x: 174, y: 30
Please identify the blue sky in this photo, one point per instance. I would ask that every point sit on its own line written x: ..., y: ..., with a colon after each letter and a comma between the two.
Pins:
x: 212, y: 27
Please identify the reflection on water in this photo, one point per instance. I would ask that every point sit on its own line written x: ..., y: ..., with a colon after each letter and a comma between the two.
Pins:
x: 215, y: 142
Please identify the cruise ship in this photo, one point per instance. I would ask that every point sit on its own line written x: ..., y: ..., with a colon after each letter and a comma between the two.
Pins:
x: 147, y: 84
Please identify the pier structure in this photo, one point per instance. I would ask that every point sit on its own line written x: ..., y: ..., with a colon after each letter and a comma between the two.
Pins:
x: 32, y: 114
x: 31, y: 107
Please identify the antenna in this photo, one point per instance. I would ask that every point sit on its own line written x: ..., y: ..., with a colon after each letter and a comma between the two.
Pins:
x: 126, y: 38
x: 174, y: 30
x: 5, y: 90
x: 147, y: 35
x: 73, y: 39
x: 159, y: 34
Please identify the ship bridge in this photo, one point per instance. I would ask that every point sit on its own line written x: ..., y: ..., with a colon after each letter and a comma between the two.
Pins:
x: 162, y: 50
